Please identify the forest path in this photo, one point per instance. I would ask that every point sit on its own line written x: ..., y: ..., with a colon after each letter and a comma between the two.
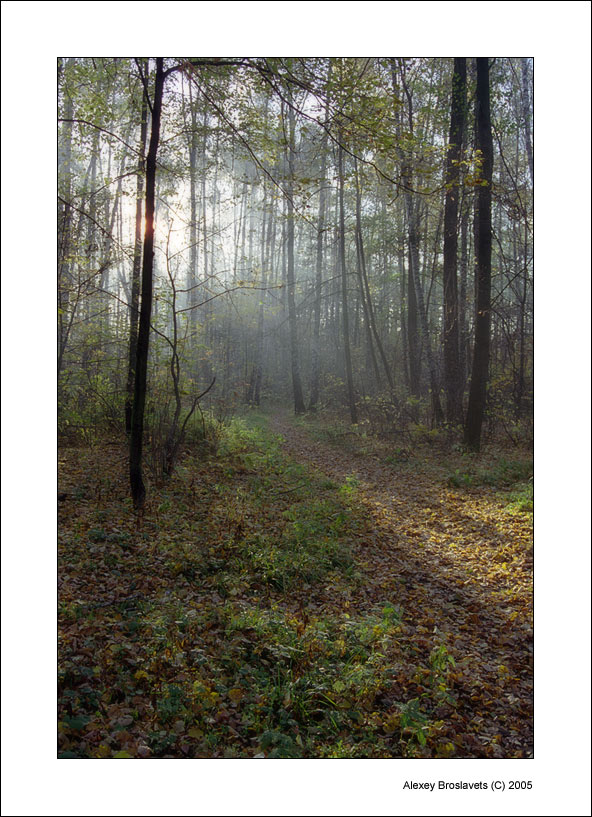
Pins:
x: 460, y: 567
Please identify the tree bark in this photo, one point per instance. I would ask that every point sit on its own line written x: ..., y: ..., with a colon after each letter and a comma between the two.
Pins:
x: 452, y: 378
x: 462, y: 306
x: 366, y: 292
x: 299, y: 406
x: 192, y: 276
x: 138, y: 489
x: 526, y: 117
x: 65, y: 228
x: 135, y: 290
x: 414, y: 356
x: 480, y: 368
x: 345, y: 316
x: 316, y: 343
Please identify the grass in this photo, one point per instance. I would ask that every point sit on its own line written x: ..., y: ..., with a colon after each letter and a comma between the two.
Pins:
x: 243, y: 616
x: 521, y: 498
x: 500, y: 473
x: 229, y: 633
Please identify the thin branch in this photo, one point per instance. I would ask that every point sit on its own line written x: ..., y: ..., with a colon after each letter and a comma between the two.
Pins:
x: 99, y: 128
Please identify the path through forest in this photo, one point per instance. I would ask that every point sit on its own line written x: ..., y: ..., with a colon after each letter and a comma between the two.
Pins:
x: 301, y: 592
x: 459, y: 567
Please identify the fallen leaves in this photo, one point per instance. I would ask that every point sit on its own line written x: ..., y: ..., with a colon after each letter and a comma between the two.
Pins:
x: 227, y: 624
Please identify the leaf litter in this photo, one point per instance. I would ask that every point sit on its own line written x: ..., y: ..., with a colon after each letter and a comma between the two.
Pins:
x: 291, y: 598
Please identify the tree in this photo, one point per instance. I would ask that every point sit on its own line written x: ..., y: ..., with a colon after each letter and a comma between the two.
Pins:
x: 320, y: 218
x: 353, y: 413
x: 316, y: 351
x: 299, y: 405
x: 137, y: 427
x: 481, y: 349
x: 135, y: 287
x: 452, y: 372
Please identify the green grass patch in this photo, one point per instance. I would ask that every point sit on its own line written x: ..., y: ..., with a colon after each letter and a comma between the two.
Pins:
x: 521, y: 498
x: 501, y: 473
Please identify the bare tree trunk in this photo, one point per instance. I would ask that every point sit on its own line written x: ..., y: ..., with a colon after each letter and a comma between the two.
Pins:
x: 135, y: 289
x: 480, y: 368
x: 345, y: 317
x: 138, y: 489
x: 413, y: 236
x: 452, y: 378
x: 299, y: 406
x: 522, y: 332
x: 192, y: 276
x: 65, y: 228
x: 526, y: 117
x: 316, y: 343
x: 462, y: 306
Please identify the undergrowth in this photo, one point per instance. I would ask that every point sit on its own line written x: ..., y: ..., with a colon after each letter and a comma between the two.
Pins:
x: 220, y: 626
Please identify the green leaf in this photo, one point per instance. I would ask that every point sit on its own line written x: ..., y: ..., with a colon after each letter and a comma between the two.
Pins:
x: 77, y: 722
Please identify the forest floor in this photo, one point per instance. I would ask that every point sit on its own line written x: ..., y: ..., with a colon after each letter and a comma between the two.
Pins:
x: 306, y: 592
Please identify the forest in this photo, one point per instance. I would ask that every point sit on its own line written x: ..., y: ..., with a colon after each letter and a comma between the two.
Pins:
x: 295, y: 407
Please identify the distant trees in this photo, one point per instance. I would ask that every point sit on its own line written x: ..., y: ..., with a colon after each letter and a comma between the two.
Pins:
x: 311, y: 235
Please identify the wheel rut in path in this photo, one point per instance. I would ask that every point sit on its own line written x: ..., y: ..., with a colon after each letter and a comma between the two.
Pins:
x: 460, y: 569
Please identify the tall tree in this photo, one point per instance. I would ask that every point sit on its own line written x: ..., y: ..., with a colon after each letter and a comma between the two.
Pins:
x: 526, y: 104
x: 452, y: 374
x: 412, y: 215
x: 316, y: 345
x: 481, y: 348
x: 135, y: 287
x: 353, y: 413
x: 299, y: 406
x: 136, y: 481
x: 65, y: 311
x: 413, y: 221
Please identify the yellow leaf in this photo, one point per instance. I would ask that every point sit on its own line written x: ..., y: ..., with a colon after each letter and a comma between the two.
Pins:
x: 103, y: 751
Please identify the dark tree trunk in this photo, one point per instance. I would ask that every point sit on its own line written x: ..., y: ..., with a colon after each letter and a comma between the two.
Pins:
x: 316, y: 343
x: 412, y: 321
x: 526, y: 117
x: 462, y: 306
x: 136, y: 481
x: 480, y: 368
x: 403, y: 302
x: 299, y: 406
x: 135, y: 289
x: 452, y: 376
x: 345, y: 317
x: 522, y: 333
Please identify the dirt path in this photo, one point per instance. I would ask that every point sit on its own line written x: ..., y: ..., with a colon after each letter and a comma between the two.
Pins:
x: 460, y: 567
